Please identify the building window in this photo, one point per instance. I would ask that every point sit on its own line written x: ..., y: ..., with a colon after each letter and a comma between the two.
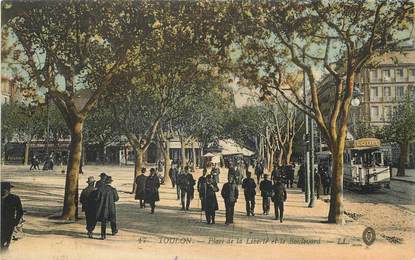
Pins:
x: 412, y: 72
x: 387, y: 92
x: 386, y: 74
x: 374, y: 92
x: 374, y: 112
x: 399, y: 73
x: 374, y: 74
x: 399, y: 91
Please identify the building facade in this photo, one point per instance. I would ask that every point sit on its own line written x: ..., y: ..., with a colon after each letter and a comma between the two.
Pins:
x: 385, y: 85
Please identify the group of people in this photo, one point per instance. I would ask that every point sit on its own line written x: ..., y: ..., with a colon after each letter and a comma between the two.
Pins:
x: 322, y: 179
x: 147, y: 188
x: 47, y: 165
x: 98, y: 202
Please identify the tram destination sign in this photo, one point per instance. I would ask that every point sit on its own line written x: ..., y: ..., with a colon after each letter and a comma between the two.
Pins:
x: 364, y: 142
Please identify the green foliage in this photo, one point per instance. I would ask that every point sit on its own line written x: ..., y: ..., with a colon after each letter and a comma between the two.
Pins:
x: 401, y: 128
x: 25, y: 123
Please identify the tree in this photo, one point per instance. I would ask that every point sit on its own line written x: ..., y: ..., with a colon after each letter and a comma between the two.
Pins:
x: 66, y: 47
x: 198, y: 118
x: 101, y: 129
x: 23, y: 123
x: 400, y: 130
x: 340, y: 38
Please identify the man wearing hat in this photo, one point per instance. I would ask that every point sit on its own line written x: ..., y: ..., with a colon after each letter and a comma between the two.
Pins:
x: 249, y: 186
x: 101, y: 182
x: 151, y: 189
x: 279, y: 196
x: 11, y: 213
x: 106, y: 198
x: 140, y: 182
x: 87, y: 199
x: 266, y: 191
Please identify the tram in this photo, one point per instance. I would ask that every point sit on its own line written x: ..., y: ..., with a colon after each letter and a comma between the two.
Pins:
x: 364, y: 166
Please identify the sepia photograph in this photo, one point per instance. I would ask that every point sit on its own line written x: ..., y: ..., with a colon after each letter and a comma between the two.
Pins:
x: 201, y: 129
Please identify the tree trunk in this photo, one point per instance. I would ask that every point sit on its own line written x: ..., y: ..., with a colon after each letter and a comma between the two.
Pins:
x: 138, y: 153
x: 336, y: 213
x: 403, y: 156
x: 271, y: 160
x: 167, y: 165
x: 183, y: 151
x: 26, y: 153
x: 289, y: 151
x: 281, y: 157
x: 70, y: 203
x: 193, y: 156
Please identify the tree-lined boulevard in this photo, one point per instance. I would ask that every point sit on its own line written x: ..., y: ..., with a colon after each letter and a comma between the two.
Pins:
x: 141, y: 73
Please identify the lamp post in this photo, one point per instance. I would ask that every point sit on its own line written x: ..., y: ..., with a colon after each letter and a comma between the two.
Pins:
x: 311, y: 177
x: 355, y: 104
x: 306, y: 152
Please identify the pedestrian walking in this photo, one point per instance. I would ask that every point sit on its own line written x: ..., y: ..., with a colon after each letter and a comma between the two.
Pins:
x: 211, y: 203
x: 101, y: 181
x: 106, y: 210
x: 230, y: 195
x: 266, y: 191
x: 140, y: 182
x: 215, y: 173
x: 178, y: 179
x: 279, y: 197
x: 34, y: 163
x: 290, y: 175
x: 248, y: 184
x: 317, y: 183
x: 88, y: 201
x: 186, y: 183
x: 173, y: 175
x: 11, y: 213
x: 152, y: 189
x: 326, y: 180
x: 201, y: 188
x: 232, y: 172
x: 276, y: 172
x: 259, y: 171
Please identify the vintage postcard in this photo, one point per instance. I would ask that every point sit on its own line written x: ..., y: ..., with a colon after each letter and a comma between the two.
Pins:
x: 207, y: 129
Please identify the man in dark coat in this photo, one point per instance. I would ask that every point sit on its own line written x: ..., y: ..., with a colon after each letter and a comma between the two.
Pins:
x: 140, y: 182
x: 259, y: 171
x: 11, y: 213
x: 276, y: 173
x: 266, y: 191
x: 106, y: 198
x: 152, y: 189
x: 211, y: 203
x: 187, y: 190
x: 290, y: 175
x: 101, y: 181
x: 201, y: 188
x: 173, y: 175
x: 230, y: 195
x: 249, y: 186
x: 88, y: 201
x: 34, y: 163
x: 326, y: 181
x: 279, y: 196
x: 180, y: 173
x: 317, y: 183
x: 215, y: 173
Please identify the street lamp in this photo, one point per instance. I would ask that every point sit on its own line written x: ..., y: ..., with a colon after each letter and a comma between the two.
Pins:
x: 355, y: 104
